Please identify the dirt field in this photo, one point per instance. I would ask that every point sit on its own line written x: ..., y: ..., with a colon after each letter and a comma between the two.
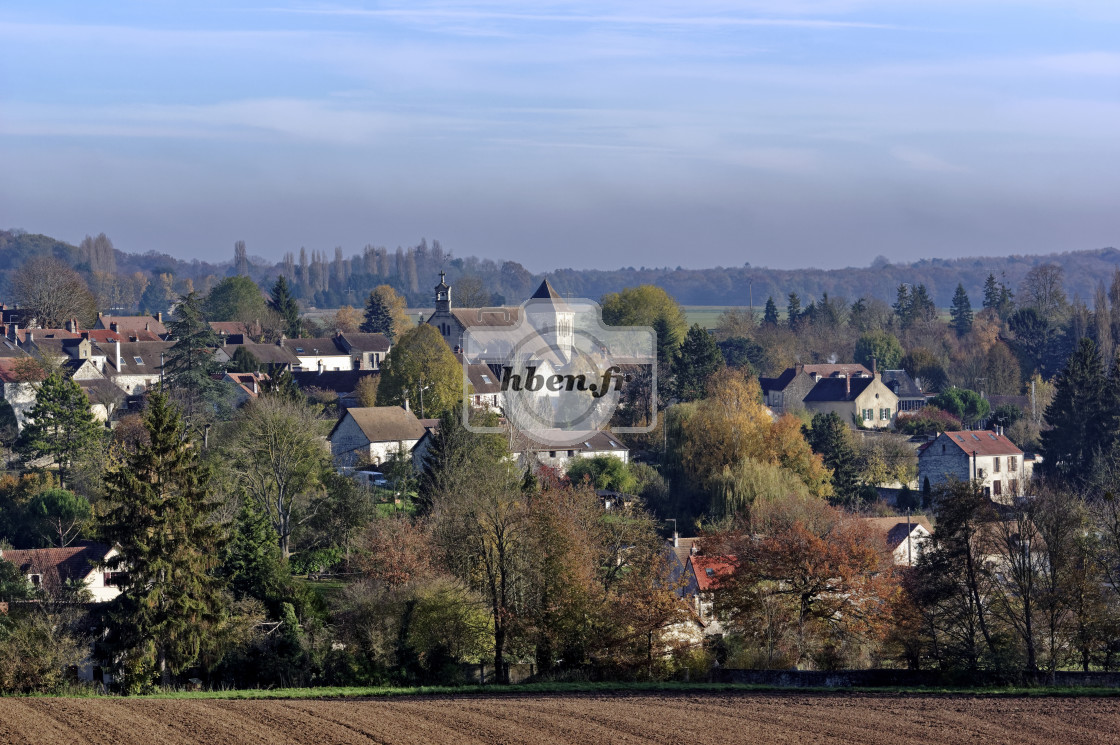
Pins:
x: 631, y: 718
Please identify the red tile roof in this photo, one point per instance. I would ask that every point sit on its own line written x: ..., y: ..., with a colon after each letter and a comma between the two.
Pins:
x: 981, y: 442
x: 709, y: 570
x: 70, y: 563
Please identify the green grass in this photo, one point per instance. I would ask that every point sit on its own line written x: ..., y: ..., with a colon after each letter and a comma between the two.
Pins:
x: 611, y: 688
x: 708, y: 315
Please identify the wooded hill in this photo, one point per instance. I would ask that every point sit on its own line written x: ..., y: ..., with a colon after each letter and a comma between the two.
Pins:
x: 323, y: 280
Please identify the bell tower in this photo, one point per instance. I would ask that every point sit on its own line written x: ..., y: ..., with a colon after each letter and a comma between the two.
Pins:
x: 443, y: 295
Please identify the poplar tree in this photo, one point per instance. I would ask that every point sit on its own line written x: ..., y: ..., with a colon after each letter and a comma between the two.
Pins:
x: 160, y: 520
x: 60, y: 425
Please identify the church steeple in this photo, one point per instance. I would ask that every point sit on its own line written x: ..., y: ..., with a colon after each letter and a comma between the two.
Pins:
x: 443, y: 294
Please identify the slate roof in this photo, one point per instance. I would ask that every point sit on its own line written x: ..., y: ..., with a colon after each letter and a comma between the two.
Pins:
x: 339, y: 381
x: 324, y: 346
x: 74, y: 562
x: 599, y: 442
x: 837, y: 389
x: 385, y: 423
x: 486, y: 316
x: 8, y: 349
x: 903, y: 386
x: 266, y: 354
x: 148, y: 351
x: 981, y: 442
x: 365, y: 342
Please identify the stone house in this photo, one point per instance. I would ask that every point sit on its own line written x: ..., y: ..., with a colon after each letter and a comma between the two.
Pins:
x: 367, y: 350
x: 905, y: 537
x: 984, y: 456
x: 787, y: 392
x: 452, y: 323
x: 864, y: 400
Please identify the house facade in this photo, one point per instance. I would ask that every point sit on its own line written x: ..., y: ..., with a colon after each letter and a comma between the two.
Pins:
x: 863, y: 400
x: 984, y: 456
x: 787, y: 392
x: 52, y: 567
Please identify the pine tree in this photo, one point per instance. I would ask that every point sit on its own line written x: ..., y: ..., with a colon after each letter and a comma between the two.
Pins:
x: 448, y: 460
x: 829, y: 436
x: 160, y: 518
x: 991, y: 292
x: 904, y: 307
x: 60, y: 425
x: 379, y: 318
x: 695, y: 362
x: 285, y: 306
x: 961, y: 312
x: 922, y: 308
x: 770, y: 315
x: 189, y: 367
x: 252, y: 562
x: 1077, y: 417
x: 793, y: 311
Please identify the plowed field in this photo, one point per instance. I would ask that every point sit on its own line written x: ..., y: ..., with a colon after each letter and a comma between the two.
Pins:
x: 625, y: 718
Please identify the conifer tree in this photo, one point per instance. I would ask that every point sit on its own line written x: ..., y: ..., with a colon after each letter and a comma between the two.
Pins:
x: 1077, y: 417
x: 961, y: 312
x: 695, y: 362
x: 159, y: 518
x: 379, y: 317
x: 285, y: 306
x: 793, y: 311
x: 770, y: 315
x: 60, y: 425
x: 189, y: 366
x: 829, y: 436
x: 991, y: 292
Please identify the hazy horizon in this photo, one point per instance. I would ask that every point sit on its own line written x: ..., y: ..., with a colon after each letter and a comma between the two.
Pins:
x: 793, y: 134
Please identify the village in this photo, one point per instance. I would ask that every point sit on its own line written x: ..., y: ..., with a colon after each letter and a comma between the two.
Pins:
x: 838, y: 517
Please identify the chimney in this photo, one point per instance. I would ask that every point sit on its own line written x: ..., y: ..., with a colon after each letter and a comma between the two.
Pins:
x: 147, y: 326
x: 30, y: 338
x: 847, y: 386
x: 406, y: 406
x: 13, y: 332
x: 117, y: 345
x: 280, y: 341
x: 255, y: 390
x: 159, y: 316
x: 694, y: 549
x: 70, y: 325
x: 321, y: 367
x: 874, y: 368
x: 676, y: 539
x: 113, y: 327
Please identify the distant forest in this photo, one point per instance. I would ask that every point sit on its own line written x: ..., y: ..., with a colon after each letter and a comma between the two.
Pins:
x: 127, y: 282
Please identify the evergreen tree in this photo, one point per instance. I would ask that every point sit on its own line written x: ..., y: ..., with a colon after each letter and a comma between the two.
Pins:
x: 244, y: 361
x: 770, y: 315
x: 829, y: 436
x: 1077, y: 417
x: 922, y: 308
x: 961, y: 312
x: 60, y: 425
x: 793, y: 311
x: 379, y: 317
x: 697, y: 360
x: 991, y: 292
x: 904, y: 307
x: 161, y: 520
x: 283, y: 384
x: 252, y: 562
x: 189, y: 366
x: 447, y: 462
x: 285, y: 306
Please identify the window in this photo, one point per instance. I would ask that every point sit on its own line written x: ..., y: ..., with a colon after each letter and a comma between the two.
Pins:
x: 1012, y: 463
x: 138, y: 360
x: 867, y: 415
x: 997, y: 488
x: 885, y: 415
x: 36, y: 579
x: 551, y: 453
x: 995, y: 464
x: 571, y: 453
x: 710, y: 572
x: 486, y: 379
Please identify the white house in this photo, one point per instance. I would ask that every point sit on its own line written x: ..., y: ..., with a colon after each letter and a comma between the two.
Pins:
x: 319, y: 354
x: 19, y: 393
x: 905, y: 537
x: 367, y: 350
x: 986, y: 457
x: 51, y: 567
x: 560, y: 456
x: 372, y: 434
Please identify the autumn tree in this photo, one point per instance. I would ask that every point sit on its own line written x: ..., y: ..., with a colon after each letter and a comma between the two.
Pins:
x: 159, y: 517
x: 643, y: 306
x: 55, y: 292
x: 347, y: 319
x: 385, y: 313
x: 421, y: 364
x: 275, y: 445
x: 60, y: 426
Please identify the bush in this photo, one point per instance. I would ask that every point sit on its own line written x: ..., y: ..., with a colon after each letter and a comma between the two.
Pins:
x: 928, y: 420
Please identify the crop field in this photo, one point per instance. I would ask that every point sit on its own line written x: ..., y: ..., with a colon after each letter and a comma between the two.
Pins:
x: 693, y: 718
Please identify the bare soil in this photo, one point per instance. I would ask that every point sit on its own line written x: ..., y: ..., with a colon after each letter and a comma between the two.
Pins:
x: 691, y: 718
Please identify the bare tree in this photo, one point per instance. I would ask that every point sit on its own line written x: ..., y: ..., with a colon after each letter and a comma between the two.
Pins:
x: 1043, y: 289
x: 55, y: 292
x: 240, y: 258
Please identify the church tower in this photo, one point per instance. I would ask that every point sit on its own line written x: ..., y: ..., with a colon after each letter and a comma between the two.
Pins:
x: 443, y: 295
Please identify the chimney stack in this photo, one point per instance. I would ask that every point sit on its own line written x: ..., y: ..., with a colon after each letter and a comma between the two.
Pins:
x: 847, y: 386
x: 113, y: 327
x: 117, y: 345
x: 676, y: 539
x: 874, y: 368
x: 406, y: 406
x: 159, y: 316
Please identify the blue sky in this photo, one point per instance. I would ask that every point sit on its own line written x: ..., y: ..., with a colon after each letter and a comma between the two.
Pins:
x: 784, y: 134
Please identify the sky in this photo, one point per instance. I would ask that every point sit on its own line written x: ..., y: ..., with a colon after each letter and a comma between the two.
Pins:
x: 780, y: 133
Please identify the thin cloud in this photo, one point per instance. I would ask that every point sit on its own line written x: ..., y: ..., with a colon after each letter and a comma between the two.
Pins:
x: 920, y: 160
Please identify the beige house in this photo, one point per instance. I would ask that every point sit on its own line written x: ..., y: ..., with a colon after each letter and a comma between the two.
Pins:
x: 373, y: 434
x: 905, y: 537
x: 865, y: 401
